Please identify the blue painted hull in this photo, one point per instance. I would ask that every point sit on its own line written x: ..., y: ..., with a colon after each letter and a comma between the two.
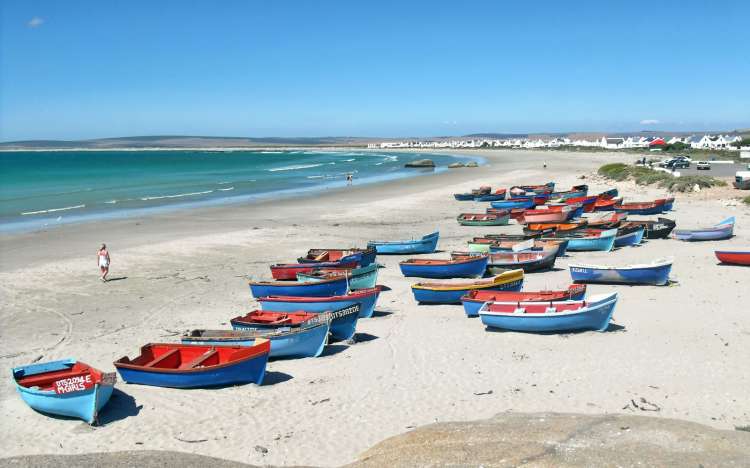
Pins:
x: 491, y: 197
x: 367, y: 305
x: 84, y: 404
x: 460, y: 270
x: 597, y: 318
x: 463, y: 196
x: 320, y: 289
x: 721, y: 231
x: 510, y: 204
x: 308, y: 342
x: 645, y: 211
x: 657, y: 275
x: 427, y: 244
x: 591, y: 244
x: 429, y: 296
x: 633, y: 238
x: 250, y: 371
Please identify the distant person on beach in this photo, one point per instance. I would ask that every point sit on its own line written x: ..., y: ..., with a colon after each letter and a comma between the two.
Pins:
x: 349, y: 179
x: 102, y: 259
x: 544, y: 165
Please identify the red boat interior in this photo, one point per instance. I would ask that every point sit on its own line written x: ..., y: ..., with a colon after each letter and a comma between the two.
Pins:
x: 517, y: 256
x: 530, y: 296
x: 261, y: 317
x: 185, y: 357
x: 45, y: 381
x: 536, y: 308
x: 437, y: 262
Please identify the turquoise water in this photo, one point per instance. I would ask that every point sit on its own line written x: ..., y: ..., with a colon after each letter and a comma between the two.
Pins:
x: 42, y: 189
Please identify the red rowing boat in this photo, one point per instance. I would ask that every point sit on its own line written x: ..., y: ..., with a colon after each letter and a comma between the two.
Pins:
x: 734, y: 257
x: 473, y: 300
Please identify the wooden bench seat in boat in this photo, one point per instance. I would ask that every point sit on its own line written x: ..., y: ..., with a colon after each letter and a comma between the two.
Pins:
x: 199, y: 360
x: 168, y: 355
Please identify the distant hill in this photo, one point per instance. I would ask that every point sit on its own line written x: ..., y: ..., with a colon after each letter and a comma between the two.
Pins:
x: 179, y: 141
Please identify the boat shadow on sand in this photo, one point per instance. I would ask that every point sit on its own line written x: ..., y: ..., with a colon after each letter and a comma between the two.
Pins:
x: 611, y: 328
x: 121, y: 406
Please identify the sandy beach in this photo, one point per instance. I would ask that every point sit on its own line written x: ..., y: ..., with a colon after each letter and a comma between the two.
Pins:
x: 684, y: 347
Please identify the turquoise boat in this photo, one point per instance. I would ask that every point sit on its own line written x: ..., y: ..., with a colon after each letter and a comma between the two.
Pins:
x: 358, y: 278
x: 65, y: 388
x: 589, y: 241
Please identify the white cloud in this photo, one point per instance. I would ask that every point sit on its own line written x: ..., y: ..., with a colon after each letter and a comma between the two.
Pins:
x: 35, y: 22
x: 649, y: 122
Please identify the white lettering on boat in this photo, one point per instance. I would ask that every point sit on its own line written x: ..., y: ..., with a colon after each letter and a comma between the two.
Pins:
x: 73, y: 384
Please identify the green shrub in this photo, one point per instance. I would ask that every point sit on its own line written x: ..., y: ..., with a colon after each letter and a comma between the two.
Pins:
x: 746, y: 200
x: 645, y: 176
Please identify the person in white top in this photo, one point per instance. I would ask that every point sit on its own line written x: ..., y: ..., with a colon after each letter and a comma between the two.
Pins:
x: 102, y: 259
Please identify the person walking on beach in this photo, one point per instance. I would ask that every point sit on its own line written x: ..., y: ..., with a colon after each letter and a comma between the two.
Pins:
x: 102, y: 259
x: 349, y: 179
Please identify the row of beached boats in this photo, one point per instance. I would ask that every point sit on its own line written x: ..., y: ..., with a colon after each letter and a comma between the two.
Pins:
x: 321, y: 296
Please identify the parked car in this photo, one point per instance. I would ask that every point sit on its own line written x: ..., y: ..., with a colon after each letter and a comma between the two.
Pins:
x: 703, y: 166
x: 678, y: 164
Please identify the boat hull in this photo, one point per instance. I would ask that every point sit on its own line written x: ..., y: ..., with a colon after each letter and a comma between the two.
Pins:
x: 324, y: 288
x: 427, y: 244
x: 307, y: 342
x: 630, y: 238
x: 544, y: 263
x: 596, y: 317
x: 591, y: 244
x: 464, y: 269
x: 733, y: 257
x: 360, y: 278
x: 577, y: 293
x: 366, y: 298
x: 453, y: 296
x: 647, y: 275
x: 511, y: 204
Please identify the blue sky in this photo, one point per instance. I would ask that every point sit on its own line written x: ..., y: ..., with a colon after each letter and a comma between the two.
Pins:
x: 87, y: 69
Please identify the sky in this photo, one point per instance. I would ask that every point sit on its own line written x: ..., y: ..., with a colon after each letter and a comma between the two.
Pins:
x: 90, y: 69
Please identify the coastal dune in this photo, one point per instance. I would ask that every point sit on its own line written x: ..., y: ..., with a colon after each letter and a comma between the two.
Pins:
x: 683, y: 349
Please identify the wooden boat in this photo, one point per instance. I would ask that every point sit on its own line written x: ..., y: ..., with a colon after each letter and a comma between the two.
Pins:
x: 488, y: 197
x: 741, y: 180
x: 484, y: 219
x: 358, y: 278
x: 642, y: 208
x: 289, y: 271
x: 609, y: 194
x: 546, y: 216
x: 587, y: 240
x: 541, y: 188
x: 326, y: 287
x: 343, y: 322
x: 734, y: 256
x: 474, y: 299
x: 720, y: 231
x: 64, y: 388
x: 451, y: 292
x: 575, y: 191
x: 464, y: 267
x: 606, y: 204
x: 363, y: 257
x: 540, y: 317
x: 667, y: 202
x: 527, y: 261
x: 608, y: 218
x: 532, y: 228
x: 659, y: 229
x: 367, y: 298
x: 427, y: 244
x: 589, y: 203
x: 629, y: 235
x: 654, y: 273
x: 463, y: 196
x: 560, y: 246
x: 513, y: 203
x: 308, y: 340
x: 195, y: 366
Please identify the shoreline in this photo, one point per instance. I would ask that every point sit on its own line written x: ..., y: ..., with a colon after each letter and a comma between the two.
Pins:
x: 683, y: 348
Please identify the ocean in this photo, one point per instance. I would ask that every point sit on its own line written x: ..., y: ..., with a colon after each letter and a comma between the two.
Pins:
x: 41, y: 189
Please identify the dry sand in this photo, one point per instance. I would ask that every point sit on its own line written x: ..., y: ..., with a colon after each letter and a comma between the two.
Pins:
x: 685, y: 348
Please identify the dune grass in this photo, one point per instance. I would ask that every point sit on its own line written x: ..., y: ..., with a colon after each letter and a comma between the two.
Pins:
x: 746, y: 200
x: 645, y: 176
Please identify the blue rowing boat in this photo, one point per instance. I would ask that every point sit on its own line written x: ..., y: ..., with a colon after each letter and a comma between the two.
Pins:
x: 513, y: 203
x: 655, y: 273
x: 343, y: 322
x: 464, y: 196
x: 489, y: 197
x: 464, y: 267
x: 629, y: 235
x: 541, y: 317
x: 196, y: 366
x: 426, y: 244
x: 361, y: 257
x: 723, y: 230
x: 451, y: 293
x: 588, y: 240
x: 296, y: 342
x: 65, y: 388
x: 367, y: 298
x: 323, y: 288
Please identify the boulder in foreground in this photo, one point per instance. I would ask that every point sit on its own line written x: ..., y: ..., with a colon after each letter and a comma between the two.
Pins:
x: 562, y: 440
x: 421, y: 163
